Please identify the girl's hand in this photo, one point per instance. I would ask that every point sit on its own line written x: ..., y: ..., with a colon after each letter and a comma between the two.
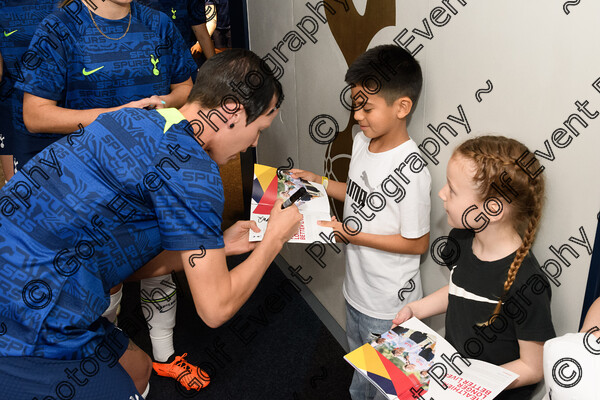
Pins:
x: 306, y: 175
x: 403, y: 315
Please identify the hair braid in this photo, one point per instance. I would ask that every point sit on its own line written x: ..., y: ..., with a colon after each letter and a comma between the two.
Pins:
x: 492, y: 156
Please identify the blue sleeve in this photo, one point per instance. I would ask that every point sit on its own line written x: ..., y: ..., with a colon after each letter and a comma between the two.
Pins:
x: 183, y: 65
x: 187, y: 193
x: 45, y: 62
x: 197, y: 12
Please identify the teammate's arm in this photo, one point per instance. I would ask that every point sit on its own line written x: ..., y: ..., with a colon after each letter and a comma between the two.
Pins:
x: 179, y: 94
x: 45, y: 116
x: 203, y: 37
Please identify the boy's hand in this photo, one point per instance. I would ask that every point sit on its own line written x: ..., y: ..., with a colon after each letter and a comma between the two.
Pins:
x: 306, y: 175
x: 403, y: 315
x: 334, y: 223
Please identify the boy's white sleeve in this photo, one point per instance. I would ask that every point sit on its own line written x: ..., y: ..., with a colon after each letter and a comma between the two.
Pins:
x: 415, y: 207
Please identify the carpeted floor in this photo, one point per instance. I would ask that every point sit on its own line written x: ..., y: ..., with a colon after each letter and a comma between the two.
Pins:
x: 274, y: 348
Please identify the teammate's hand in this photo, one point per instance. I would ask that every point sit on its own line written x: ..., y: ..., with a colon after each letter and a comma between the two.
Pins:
x: 160, y: 103
x: 403, y: 315
x: 237, y: 236
x: 148, y: 103
x: 306, y: 175
x: 283, y: 224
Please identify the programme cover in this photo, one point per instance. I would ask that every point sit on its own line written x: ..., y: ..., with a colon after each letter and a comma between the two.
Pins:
x: 268, y: 186
x: 412, y: 361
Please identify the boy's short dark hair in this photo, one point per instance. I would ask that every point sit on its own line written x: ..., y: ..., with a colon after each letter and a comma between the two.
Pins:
x: 395, y: 69
x: 236, y: 76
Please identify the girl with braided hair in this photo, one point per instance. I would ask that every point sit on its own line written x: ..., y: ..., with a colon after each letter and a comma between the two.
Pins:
x: 497, y: 303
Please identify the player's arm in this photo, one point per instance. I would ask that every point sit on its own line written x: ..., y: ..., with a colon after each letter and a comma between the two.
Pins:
x: 45, y: 116
x: 529, y: 365
x: 203, y: 38
x: 335, y: 189
x: 179, y: 94
x: 428, y: 306
x: 219, y: 293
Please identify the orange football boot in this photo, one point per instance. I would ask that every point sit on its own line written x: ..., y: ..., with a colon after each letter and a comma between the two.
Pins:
x: 190, y: 376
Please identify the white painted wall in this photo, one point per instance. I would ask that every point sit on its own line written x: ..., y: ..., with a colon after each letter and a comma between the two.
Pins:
x: 539, y: 59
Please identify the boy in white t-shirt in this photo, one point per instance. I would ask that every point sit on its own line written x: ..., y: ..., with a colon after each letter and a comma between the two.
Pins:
x: 386, y: 198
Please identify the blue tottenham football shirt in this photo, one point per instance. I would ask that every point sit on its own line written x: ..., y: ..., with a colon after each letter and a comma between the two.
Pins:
x: 71, y: 62
x: 19, y: 20
x: 88, y: 211
x: 183, y: 13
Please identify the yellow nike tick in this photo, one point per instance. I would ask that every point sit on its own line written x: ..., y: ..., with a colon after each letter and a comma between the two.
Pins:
x: 86, y: 73
x: 9, y: 33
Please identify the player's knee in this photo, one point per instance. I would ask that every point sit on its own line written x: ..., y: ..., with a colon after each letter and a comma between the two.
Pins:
x: 147, y: 367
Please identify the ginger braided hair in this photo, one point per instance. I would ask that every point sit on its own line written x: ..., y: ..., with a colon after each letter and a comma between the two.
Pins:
x: 492, y: 157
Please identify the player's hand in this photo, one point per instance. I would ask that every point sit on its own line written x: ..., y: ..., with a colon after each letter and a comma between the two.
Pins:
x: 306, y: 175
x: 403, y: 315
x: 283, y: 224
x: 237, y: 236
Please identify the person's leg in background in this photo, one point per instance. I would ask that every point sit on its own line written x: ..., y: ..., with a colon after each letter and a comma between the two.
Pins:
x: 159, y: 297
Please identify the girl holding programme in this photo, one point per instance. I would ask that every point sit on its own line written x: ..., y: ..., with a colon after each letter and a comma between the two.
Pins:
x: 497, y: 303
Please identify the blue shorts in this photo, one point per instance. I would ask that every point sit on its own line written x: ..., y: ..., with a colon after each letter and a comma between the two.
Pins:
x: 99, y: 376
x: 6, y: 130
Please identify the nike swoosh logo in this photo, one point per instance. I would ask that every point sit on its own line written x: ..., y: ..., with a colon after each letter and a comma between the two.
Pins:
x: 10, y: 33
x: 86, y: 73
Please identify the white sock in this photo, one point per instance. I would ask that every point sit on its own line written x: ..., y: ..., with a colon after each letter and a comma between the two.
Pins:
x: 145, y: 394
x: 159, y: 297
x: 111, y: 312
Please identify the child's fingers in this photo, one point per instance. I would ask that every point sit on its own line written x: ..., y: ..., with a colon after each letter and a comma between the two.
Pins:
x: 327, y: 224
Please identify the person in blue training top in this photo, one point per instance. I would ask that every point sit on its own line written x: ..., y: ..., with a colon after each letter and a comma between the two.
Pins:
x: 190, y: 18
x: 18, y: 21
x: 92, y: 57
x: 158, y: 294
x: 135, y: 194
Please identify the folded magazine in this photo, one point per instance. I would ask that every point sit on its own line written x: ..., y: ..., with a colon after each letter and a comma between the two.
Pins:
x: 268, y: 186
x: 412, y: 361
